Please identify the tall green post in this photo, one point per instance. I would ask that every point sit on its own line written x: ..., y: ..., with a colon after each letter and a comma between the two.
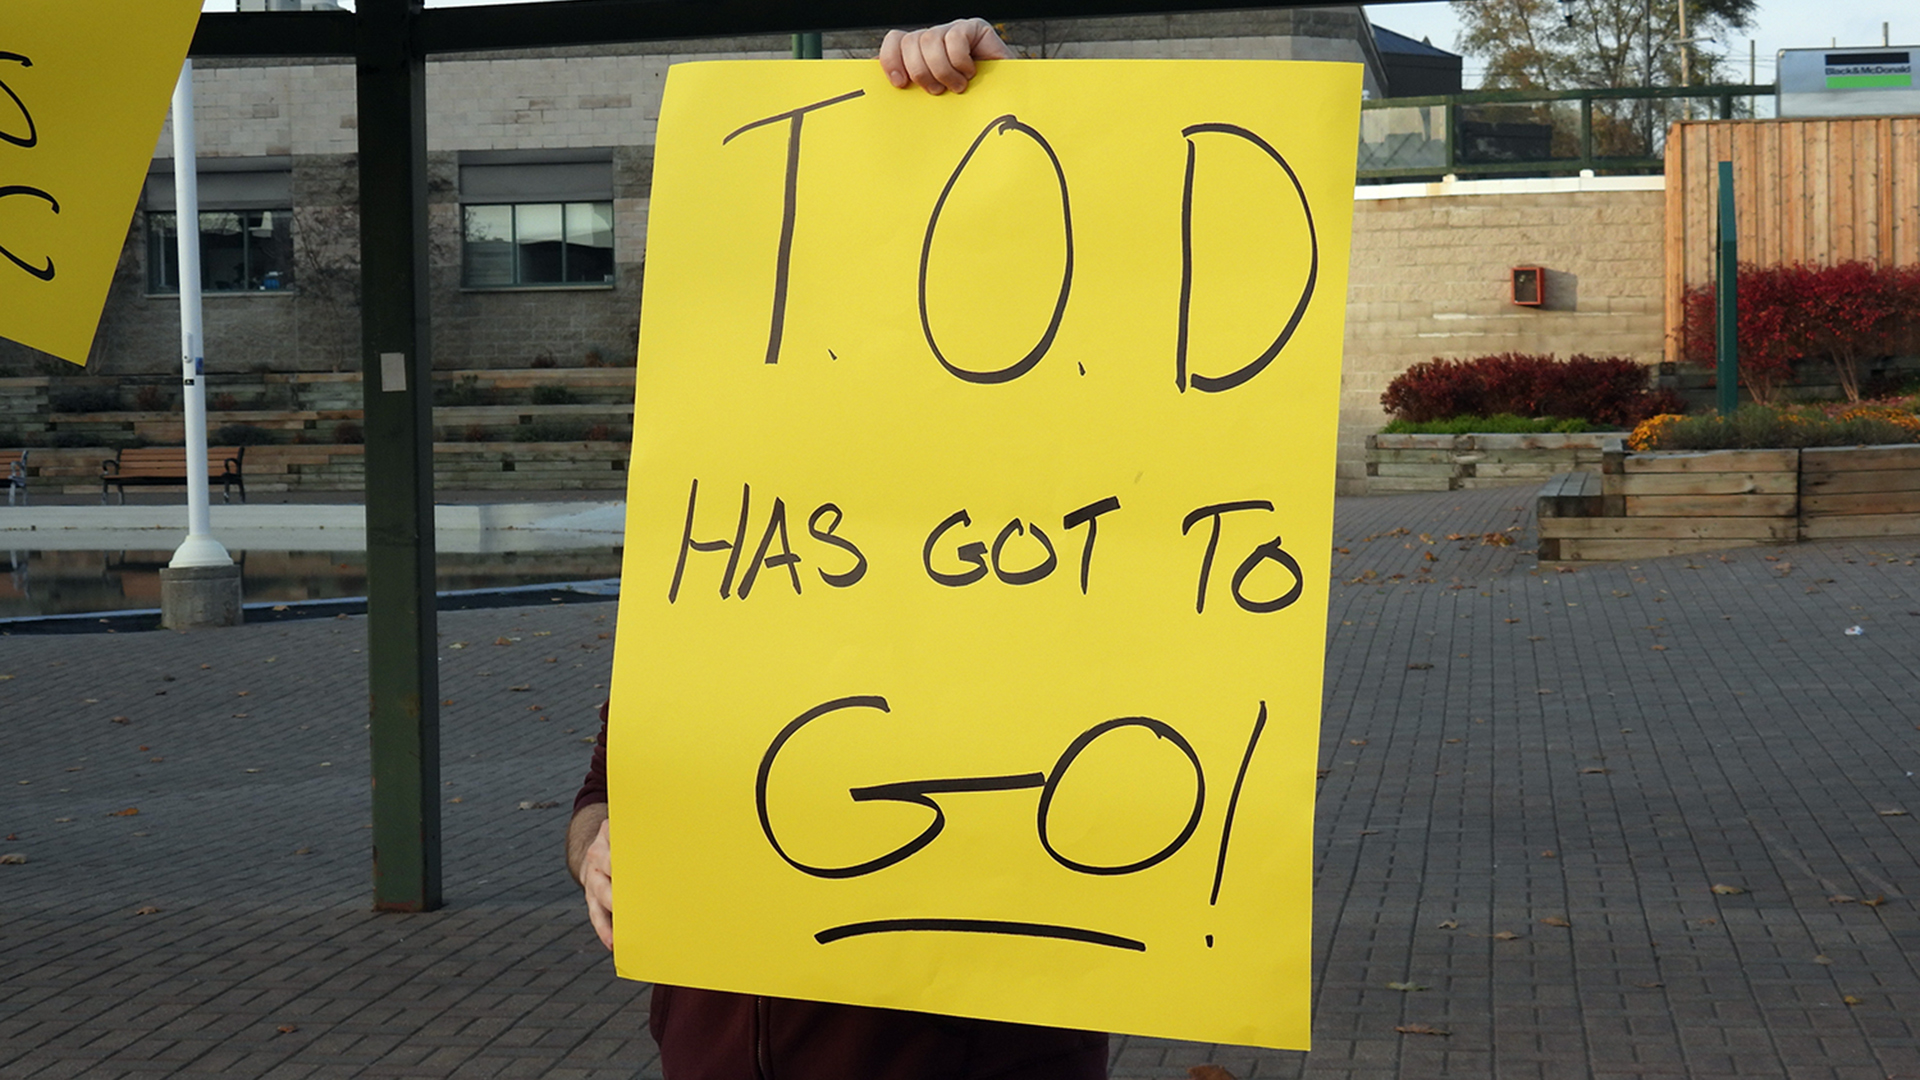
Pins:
x: 402, y: 680
x: 806, y: 46
x: 1727, y: 325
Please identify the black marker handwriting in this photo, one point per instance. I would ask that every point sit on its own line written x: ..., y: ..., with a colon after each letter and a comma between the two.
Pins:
x: 775, y: 550
x: 1217, y: 383
x: 1000, y: 125
x: 921, y: 793
x: 33, y: 133
x: 784, y: 259
x: 979, y: 926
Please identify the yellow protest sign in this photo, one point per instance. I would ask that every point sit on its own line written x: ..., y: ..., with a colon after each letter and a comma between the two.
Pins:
x: 83, y: 92
x: 975, y: 586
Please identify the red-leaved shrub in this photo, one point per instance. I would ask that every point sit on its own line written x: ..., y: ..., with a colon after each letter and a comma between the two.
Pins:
x: 1848, y: 315
x: 1603, y: 390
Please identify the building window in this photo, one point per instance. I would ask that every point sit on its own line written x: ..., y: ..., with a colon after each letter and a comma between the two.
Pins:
x: 536, y: 218
x: 521, y: 244
x: 240, y: 251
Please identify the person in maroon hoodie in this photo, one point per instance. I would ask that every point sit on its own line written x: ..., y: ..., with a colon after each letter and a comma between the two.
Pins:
x: 712, y: 1035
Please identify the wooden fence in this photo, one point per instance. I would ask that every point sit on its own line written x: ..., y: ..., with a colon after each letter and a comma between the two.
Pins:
x: 1818, y: 191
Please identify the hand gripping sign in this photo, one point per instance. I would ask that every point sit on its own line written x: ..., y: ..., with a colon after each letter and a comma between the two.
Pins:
x: 976, y: 572
x: 83, y: 91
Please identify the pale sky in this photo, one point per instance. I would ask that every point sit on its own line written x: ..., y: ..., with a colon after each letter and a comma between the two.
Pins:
x: 1781, y: 24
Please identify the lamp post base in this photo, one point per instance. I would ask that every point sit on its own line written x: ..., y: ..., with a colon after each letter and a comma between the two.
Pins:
x: 196, y: 597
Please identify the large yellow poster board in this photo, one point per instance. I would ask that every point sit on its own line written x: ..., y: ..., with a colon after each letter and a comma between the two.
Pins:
x: 83, y: 91
x: 973, y: 604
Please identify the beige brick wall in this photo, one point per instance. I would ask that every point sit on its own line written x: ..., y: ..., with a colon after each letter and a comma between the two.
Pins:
x: 1430, y: 278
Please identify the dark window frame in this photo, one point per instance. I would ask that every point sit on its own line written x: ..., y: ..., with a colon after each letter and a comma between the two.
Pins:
x: 516, y: 262
x: 163, y: 266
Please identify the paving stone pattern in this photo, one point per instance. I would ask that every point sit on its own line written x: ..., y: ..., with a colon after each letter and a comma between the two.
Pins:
x: 1503, y: 745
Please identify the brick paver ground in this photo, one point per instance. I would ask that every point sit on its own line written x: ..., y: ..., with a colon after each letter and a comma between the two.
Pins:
x: 1533, y: 782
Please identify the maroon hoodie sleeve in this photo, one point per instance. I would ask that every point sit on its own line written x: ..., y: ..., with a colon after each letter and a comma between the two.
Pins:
x: 594, y: 788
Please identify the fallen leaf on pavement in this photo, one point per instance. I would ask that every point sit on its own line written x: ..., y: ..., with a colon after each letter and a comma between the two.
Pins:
x: 13, y: 859
x: 1208, y: 1072
x: 1850, y: 1000
x: 522, y: 688
x: 1506, y: 935
x: 122, y: 719
x: 287, y: 1029
x: 1555, y: 920
x: 1839, y: 898
x: 1893, y: 813
x: 1591, y: 770
x: 1650, y: 985
x: 1823, y: 959
x: 1421, y: 1029
x: 1876, y: 901
x: 1405, y: 987
x: 128, y: 812
x: 1356, y: 742
x: 148, y: 910
x: 1727, y: 890
x: 1450, y: 924
x: 1420, y: 666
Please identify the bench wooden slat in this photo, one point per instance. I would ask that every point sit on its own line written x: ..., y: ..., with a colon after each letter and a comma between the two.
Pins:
x: 167, y: 465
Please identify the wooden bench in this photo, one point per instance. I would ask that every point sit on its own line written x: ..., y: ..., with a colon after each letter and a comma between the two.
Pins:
x: 156, y: 466
x: 1568, y: 495
x: 16, y: 463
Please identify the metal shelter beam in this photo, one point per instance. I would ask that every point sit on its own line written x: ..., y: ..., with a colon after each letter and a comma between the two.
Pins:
x: 508, y: 26
x: 403, y: 682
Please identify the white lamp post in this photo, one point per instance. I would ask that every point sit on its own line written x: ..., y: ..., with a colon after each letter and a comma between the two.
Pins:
x: 201, y: 586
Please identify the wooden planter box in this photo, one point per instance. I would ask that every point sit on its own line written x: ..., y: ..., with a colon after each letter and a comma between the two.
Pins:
x: 1669, y: 503
x: 1457, y: 462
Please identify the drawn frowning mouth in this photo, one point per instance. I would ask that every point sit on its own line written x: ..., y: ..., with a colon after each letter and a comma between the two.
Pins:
x: 978, y: 926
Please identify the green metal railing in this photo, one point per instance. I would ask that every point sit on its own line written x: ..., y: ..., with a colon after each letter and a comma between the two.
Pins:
x: 1532, y: 132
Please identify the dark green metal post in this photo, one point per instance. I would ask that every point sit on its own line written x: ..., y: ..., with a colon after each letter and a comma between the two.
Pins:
x: 806, y: 46
x: 402, y: 682
x: 1727, y: 325
x: 1586, y: 132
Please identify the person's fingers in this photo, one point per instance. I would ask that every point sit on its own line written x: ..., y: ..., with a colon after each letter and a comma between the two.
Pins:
x: 987, y: 44
x: 891, y: 61
x: 957, y: 42
x: 916, y: 60
x: 939, y: 61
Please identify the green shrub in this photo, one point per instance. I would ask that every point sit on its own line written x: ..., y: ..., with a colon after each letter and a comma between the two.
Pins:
x: 240, y: 435
x: 553, y: 394
x: 550, y: 431
x: 84, y: 399
x: 465, y: 391
x: 1762, y: 427
x: 1499, y: 424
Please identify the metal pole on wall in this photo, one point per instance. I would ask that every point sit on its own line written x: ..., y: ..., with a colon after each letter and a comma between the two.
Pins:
x: 402, y: 678
x: 806, y: 46
x: 1727, y: 323
x: 201, y: 586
